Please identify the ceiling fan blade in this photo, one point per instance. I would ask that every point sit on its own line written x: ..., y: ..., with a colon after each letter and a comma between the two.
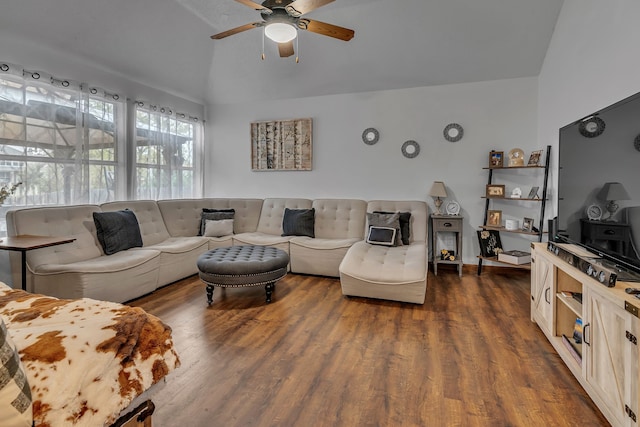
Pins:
x: 300, y: 7
x: 236, y: 30
x: 285, y: 49
x: 325, y: 29
x: 255, y: 6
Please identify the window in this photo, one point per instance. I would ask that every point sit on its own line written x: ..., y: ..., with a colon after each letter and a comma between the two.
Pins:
x: 167, y: 146
x: 60, y: 140
x: 65, y: 142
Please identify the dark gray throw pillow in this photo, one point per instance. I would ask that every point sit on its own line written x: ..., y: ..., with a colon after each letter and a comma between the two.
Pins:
x: 405, y: 220
x: 299, y: 222
x: 117, y: 231
x: 214, y: 215
x: 386, y: 220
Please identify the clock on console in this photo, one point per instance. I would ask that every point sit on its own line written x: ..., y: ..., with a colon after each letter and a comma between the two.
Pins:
x: 594, y: 212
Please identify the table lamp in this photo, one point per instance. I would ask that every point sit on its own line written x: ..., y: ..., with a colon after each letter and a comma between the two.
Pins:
x: 612, y: 191
x: 437, y: 191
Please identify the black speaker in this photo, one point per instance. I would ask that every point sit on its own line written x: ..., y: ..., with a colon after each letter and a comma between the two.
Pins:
x: 552, y: 228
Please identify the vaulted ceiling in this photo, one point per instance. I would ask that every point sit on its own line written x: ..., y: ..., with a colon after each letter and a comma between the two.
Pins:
x: 398, y: 44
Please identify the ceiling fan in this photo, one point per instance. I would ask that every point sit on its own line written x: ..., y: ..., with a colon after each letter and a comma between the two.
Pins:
x: 283, y: 18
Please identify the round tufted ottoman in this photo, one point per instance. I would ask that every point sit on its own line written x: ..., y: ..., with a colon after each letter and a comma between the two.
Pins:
x: 239, y: 266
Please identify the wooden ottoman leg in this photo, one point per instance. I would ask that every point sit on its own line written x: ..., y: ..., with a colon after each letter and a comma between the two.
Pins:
x: 269, y: 288
x: 210, y: 294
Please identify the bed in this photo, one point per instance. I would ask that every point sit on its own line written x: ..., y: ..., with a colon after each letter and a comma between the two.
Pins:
x: 85, y: 360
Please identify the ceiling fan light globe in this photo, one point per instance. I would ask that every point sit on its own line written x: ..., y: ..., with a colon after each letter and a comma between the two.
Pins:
x: 280, y: 32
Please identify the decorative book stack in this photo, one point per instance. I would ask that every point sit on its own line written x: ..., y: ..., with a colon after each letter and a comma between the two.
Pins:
x: 574, y: 352
x: 515, y: 257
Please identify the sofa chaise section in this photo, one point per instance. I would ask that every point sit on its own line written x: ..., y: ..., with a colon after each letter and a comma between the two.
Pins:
x: 339, y: 223
x: 80, y: 269
x: 396, y: 273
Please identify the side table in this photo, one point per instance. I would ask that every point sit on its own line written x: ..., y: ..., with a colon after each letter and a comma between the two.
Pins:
x: 613, y: 235
x: 449, y: 224
x: 26, y: 243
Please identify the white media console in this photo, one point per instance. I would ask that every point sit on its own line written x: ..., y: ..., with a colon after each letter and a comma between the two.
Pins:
x: 606, y: 360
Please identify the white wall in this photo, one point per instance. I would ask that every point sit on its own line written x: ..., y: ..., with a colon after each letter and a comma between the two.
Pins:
x: 63, y: 64
x: 497, y: 115
x: 591, y: 62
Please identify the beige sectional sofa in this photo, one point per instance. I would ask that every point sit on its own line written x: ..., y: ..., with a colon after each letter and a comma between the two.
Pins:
x: 171, y: 246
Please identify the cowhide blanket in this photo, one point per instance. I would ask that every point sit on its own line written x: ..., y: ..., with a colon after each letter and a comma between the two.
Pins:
x: 86, y: 360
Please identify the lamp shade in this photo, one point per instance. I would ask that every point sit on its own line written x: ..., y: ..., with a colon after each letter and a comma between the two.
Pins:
x: 280, y: 32
x: 438, y: 189
x: 613, y: 191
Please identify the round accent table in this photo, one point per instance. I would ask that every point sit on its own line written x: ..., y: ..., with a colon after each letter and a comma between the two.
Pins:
x: 240, y: 266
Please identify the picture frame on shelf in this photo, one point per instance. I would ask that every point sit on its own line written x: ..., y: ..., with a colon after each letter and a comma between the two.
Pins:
x: 527, y: 225
x: 496, y: 159
x: 534, y: 158
x: 490, y: 243
x: 495, y: 191
x: 494, y: 218
x: 533, y: 193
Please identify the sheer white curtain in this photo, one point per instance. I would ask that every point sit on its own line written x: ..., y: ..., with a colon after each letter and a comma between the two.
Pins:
x: 168, y: 153
x: 66, y: 142
x: 62, y: 139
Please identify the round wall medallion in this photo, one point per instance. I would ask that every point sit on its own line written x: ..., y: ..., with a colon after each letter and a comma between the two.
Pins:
x: 410, y: 149
x: 591, y: 127
x: 636, y: 143
x: 370, y: 136
x: 453, y: 132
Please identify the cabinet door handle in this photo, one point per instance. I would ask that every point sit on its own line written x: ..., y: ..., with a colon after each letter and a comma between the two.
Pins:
x: 584, y: 334
x: 609, y: 232
x: 546, y: 295
x: 447, y: 224
x: 630, y: 413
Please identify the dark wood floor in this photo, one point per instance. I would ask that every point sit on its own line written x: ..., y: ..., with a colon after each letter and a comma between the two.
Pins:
x: 469, y: 356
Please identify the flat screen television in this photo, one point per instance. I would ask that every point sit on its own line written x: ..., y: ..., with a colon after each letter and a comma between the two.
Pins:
x: 599, y: 159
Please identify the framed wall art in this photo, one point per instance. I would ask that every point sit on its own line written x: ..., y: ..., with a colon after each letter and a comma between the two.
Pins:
x: 282, y: 145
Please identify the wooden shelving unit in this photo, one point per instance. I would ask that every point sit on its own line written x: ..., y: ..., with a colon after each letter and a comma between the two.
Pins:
x: 542, y: 201
x: 491, y: 227
x: 526, y: 266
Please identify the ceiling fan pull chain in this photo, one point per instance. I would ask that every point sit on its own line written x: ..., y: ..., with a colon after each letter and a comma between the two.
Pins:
x: 297, y: 49
x: 262, y: 44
